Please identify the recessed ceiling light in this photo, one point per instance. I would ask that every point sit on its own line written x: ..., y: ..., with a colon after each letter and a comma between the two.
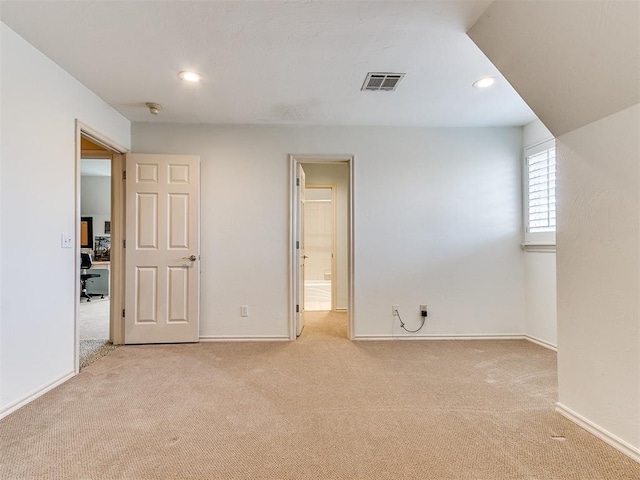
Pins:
x: 484, y: 82
x: 190, y: 76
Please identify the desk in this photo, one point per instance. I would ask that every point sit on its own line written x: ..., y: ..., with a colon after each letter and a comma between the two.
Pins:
x: 99, y: 285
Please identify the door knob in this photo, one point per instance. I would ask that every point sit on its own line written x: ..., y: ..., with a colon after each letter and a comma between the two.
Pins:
x: 193, y: 258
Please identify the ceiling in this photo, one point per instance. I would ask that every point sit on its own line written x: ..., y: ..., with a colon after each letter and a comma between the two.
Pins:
x: 275, y: 62
x: 582, y: 66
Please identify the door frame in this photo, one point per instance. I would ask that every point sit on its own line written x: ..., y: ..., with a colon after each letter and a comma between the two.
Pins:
x: 116, y: 274
x: 294, y: 161
x: 334, y: 241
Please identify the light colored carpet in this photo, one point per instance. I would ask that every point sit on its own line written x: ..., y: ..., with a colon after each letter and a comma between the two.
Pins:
x: 92, y: 350
x: 93, y: 318
x: 318, y: 408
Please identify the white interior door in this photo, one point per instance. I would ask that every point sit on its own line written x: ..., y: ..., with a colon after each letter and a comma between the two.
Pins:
x: 300, y: 185
x: 162, y: 249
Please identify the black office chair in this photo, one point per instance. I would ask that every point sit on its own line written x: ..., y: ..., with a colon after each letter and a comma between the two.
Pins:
x: 85, y: 264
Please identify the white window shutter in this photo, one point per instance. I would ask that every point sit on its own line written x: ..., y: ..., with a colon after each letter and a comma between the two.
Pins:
x: 540, y: 193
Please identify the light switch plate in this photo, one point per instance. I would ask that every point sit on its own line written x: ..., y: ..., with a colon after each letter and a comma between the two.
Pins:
x: 67, y: 241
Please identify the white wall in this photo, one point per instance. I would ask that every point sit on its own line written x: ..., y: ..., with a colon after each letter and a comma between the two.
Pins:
x: 540, y: 269
x: 338, y: 175
x: 598, y: 274
x: 39, y: 104
x: 540, y: 297
x: 95, y: 200
x: 437, y: 221
x: 535, y: 132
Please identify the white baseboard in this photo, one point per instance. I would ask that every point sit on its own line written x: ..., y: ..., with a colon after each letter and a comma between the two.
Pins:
x: 441, y: 337
x: 617, y: 443
x: 542, y: 343
x: 12, y: 407
x: 244, y: 338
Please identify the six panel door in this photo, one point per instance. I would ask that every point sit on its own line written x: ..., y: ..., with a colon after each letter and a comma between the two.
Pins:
x: 162, y: 248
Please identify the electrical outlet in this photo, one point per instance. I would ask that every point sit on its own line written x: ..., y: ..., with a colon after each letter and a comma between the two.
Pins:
x: 423, y: 308
x: 244, y: 310
x: 394, y: 310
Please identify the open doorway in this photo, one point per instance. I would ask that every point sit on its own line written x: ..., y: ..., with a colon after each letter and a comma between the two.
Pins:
x: 95, y: 250
x: 99, y: 233
x: 322, y: 242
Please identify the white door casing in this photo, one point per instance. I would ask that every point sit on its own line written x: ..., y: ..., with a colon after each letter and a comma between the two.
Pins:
x: 294, y: 286
x: 300, y: 185
x: 162, y: 249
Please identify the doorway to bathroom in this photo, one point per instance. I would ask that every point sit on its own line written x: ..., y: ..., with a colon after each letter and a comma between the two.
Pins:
x: 322, y: 259
x: 319, y: 242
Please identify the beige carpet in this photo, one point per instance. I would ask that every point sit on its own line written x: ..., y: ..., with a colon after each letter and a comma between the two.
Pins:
x: 92, y: 350
x: 319, y: 408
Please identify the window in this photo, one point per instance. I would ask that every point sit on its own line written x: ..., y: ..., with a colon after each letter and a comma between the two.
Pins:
x: 540, y: 194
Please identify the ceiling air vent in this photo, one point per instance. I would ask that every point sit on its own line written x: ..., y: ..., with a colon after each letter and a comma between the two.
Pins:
x: 378, y: 81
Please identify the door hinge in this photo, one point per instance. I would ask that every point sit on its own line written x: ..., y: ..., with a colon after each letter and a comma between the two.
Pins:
x: 123, y: 313
x: 297, y: 182
x: 124, y: 244
x: 124, y: 174
x: 297, y: 245
x: 297, y: 308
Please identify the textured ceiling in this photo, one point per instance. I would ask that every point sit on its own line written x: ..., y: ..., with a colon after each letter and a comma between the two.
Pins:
x: 573, y: 62
x: 275, y: 62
